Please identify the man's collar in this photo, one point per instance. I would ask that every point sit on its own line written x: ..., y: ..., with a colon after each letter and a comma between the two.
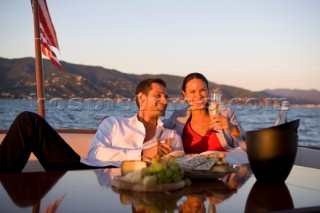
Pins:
x: 136, y: 120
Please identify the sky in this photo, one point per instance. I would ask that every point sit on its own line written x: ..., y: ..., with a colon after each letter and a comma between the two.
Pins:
x: 252, y: 44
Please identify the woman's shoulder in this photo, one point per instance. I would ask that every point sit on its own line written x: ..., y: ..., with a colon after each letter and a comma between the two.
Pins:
x: 177, y: 118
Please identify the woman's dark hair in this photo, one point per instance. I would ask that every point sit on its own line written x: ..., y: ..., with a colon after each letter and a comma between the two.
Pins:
x: 145, y: 86
x: 194, y: 75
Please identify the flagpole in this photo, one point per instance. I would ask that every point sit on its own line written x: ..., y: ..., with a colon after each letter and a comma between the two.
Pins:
x: 38, y: 59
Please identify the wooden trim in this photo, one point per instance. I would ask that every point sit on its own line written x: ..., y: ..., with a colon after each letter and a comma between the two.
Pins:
x: 3, y: 131
x: 71, y: 131
x: 79, y: 131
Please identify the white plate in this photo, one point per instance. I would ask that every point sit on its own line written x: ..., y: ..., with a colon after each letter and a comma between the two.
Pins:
x: 203, y: 175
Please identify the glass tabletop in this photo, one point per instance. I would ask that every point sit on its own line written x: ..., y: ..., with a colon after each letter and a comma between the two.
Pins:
x: 91, y: 191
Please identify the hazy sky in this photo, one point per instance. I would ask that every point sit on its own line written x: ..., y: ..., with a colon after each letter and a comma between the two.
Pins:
x: 253, y: 44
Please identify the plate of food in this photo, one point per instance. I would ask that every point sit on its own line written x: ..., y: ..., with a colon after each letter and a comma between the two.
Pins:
x: 203, y: 166
x: 204, y: 175
x: 159, y: 176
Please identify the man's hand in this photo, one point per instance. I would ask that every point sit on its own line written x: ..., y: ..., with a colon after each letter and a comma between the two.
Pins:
x: 165, y: 149
x: 152, y: 152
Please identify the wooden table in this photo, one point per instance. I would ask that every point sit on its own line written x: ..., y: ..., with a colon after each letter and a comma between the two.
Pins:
x: 91, y: 191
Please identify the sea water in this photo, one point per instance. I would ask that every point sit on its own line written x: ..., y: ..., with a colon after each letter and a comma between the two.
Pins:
x: 86, y: 114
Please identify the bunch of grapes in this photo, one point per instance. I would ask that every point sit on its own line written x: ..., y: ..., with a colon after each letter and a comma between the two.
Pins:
x: 165, y: 172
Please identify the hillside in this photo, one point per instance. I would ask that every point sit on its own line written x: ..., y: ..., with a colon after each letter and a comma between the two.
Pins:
x: 80, y: 81
x: 295, y: 95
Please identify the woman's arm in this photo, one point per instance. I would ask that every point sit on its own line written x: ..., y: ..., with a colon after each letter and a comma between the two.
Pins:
x: 231, y: 134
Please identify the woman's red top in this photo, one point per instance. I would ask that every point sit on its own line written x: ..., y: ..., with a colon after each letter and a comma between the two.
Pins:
x: 195, y: 143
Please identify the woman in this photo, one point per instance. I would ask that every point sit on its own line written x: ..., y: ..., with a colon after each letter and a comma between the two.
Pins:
x: 198, y: 130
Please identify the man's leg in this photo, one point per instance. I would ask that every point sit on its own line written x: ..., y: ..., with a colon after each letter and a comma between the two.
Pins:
x: 31, y: 133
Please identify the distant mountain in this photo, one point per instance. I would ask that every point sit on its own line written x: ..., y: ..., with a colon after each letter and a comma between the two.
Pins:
x: 295, y: 96
x: 80, y: 81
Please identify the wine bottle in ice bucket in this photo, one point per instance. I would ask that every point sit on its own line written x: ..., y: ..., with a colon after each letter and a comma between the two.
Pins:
x: 272, y: 151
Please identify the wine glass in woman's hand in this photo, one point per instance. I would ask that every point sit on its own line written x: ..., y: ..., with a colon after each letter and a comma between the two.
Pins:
x: 214, y: 104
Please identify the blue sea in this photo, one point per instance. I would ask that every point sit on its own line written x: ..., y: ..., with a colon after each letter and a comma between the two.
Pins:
x: 85, y: 114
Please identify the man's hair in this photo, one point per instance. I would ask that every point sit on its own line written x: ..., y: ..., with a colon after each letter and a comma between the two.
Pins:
x: 194, y: 75
x: 145, y: 86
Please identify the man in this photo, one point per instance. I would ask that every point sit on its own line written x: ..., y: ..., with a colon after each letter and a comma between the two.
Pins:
x: 117, y: 139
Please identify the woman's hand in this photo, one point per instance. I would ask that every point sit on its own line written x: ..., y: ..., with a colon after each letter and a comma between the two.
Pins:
x: 219, y: 122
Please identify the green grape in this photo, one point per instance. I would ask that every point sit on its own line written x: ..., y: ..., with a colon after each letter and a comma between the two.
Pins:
x: 172, y: 160
x: 173, y: 166
x: 187, y: 182
x: 151, y: 168
x: 154, y: 168
x: 176, y: 177
x: 146, y: 172
x: 154, y: 161
x: 158, y: 167
x: 164, y: 166
x: 165, y: 172
x: 160, y: 175
x: 168, y: 172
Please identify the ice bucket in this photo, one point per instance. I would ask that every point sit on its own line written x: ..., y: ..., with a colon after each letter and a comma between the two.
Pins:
x: 272, y: 151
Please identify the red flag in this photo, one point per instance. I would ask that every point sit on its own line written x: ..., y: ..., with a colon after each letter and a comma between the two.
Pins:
x: 48, y: 34
x: 47, y: 50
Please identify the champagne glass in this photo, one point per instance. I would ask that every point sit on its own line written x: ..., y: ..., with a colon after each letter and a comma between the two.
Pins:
x: 214, y: 104
x: 169, y: 136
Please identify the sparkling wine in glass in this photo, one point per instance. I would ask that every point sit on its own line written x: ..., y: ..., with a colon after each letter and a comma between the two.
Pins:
x: 215, y: 103
x: 169, y: 136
